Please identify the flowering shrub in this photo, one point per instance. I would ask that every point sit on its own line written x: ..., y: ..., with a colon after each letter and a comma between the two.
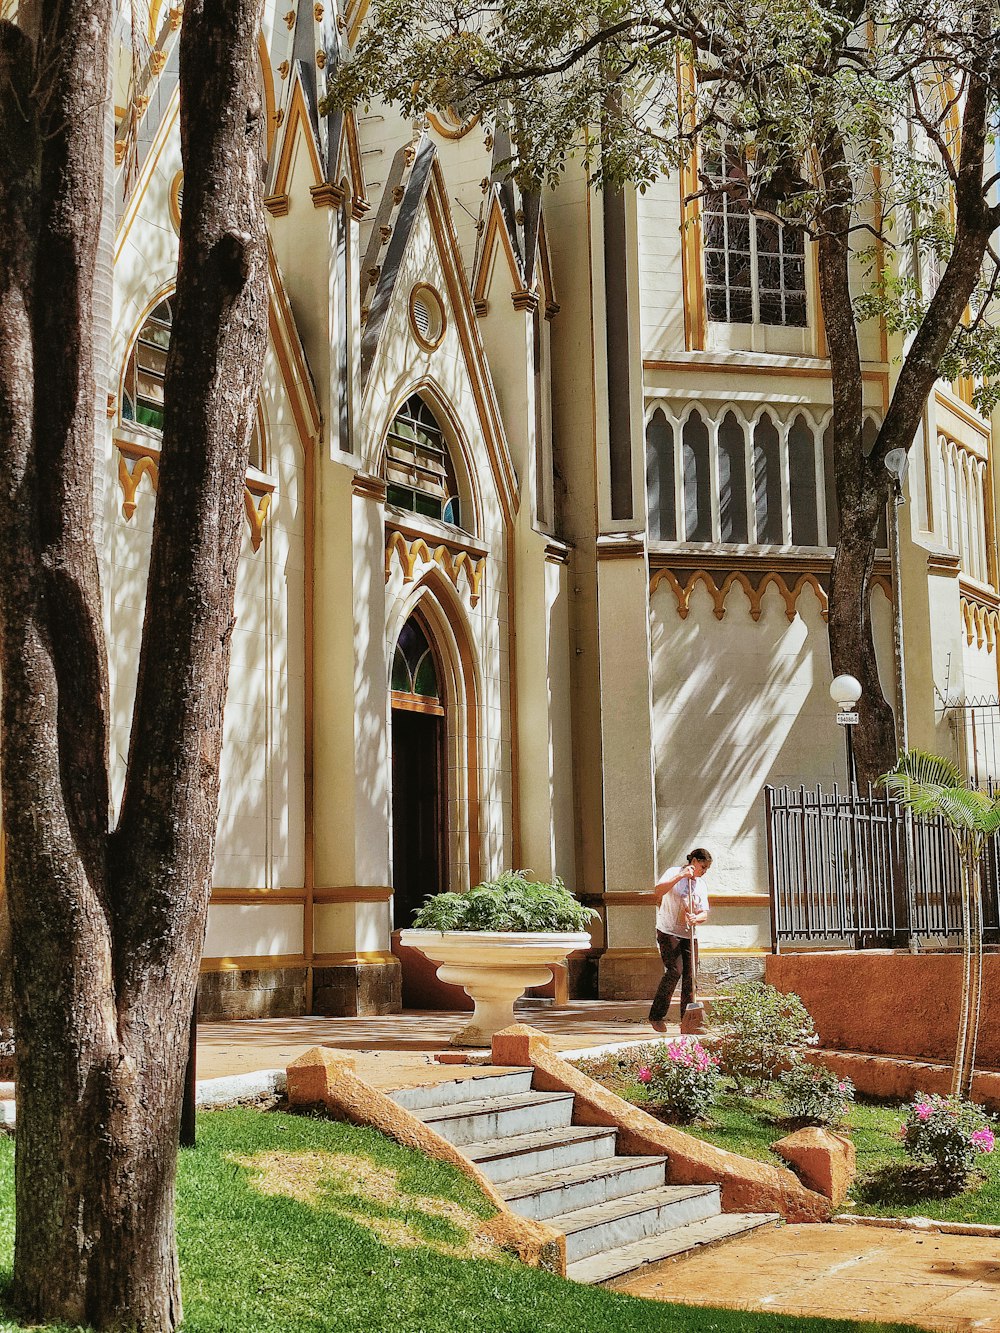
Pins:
x: 763, y: 1033
x: 816, y: 1094
x: 681, y: 1077
x: 949, y: 1133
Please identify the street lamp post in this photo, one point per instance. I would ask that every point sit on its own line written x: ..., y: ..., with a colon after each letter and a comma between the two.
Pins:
x: 845, y: 693
x: 895, y: 462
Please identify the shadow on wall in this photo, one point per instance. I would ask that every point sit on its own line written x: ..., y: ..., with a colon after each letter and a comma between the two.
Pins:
x: 739, y: 704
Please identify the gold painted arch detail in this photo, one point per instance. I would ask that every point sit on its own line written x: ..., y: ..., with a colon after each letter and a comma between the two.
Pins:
x: 719, y: 588
x: 981, y: 624
x: 409, y: 552
x: 137, y: 460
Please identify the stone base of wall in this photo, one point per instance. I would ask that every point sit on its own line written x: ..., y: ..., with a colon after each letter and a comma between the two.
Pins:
x: 633, y: 974
x: 276, y: 992
x: 353, y: 990
x: 889, y: 1077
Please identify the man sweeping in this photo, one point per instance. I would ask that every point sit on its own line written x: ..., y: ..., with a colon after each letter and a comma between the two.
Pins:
x: 683, y: 905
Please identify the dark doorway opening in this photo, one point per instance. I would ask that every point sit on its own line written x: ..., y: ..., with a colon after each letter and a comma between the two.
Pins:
x: 417, y: 833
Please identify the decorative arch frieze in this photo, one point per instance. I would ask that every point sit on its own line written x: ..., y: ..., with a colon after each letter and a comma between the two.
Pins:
x: 982, y: 624
x: 754, y: 585
x: 409, y: 552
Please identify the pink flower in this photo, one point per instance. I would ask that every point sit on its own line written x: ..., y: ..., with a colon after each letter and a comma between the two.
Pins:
x: 984, y: 1139
x: 645, y: 1074
x: 841, y: 1087
x: 924, y: 1110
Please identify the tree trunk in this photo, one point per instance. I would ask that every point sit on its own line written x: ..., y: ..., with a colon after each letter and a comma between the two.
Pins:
x: 972, y: 975
x: 862, y: 482
x: 861, y: 492
x: 108, y: 927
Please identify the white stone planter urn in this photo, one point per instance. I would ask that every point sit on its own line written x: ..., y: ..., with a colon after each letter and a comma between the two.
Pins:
x: 494, y: 968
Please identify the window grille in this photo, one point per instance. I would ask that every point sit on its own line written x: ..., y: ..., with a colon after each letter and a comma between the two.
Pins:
x: 418, y: 469
x: 755, y: 270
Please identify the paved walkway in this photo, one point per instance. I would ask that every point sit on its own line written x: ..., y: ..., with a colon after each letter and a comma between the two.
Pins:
x: 400, y: 1048
x: 942, y: 1282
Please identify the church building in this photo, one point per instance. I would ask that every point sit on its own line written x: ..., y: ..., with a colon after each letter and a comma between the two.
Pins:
x: 539, y: 519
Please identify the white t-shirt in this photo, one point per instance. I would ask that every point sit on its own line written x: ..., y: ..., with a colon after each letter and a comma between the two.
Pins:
x: 674, y: 903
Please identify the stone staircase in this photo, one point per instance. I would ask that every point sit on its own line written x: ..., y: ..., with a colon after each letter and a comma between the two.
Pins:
x: 616, y: 1212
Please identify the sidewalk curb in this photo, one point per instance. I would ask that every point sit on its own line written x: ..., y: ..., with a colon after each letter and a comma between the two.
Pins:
x: 210, y: 1093
x: 927, y: 1226
x: 232, y: 1088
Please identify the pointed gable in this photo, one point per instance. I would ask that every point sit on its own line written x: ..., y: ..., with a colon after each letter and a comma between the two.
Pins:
x: 423, y: 262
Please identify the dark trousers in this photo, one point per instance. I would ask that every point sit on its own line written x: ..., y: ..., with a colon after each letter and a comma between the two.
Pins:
x: 678, y: 965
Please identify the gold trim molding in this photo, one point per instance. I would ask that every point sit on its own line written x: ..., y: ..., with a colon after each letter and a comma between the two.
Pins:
x: 257, y: 897
x: 720, y: 591
x: 981, y: 621
x: 139, y: 458
x: 253, y: 962
x: 453, y: 564
x: 369, y: 487
x: 375, y: 958
x: 353, y: 893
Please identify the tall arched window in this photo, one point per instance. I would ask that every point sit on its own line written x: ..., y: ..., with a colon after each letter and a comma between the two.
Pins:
x: 697, y: 480
x: 767, y: 481
x: 414, y: 670
x: 802, y: 483
x: 142, y: 390
x: 419, y: 473
x: 732, y: 481
x: 660, y: 495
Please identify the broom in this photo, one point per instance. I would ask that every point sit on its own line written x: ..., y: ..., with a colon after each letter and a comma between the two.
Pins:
x: 693, y: 1017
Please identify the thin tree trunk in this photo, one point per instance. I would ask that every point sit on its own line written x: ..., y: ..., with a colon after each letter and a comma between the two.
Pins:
x: 108, y: 928
x: 972, y: 977
x: 861, y: 492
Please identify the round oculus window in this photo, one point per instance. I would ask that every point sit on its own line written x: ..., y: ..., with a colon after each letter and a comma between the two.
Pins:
x: 427, y: 318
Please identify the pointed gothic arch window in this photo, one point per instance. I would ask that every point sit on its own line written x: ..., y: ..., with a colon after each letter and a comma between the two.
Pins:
x: 420, y: 476
x: 142, y: 388
x: 414, y: 669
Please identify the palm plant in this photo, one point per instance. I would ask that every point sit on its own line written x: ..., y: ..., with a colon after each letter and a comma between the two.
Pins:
x: 933, y: 788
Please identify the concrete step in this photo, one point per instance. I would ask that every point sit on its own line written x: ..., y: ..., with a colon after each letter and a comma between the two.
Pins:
x: 582, y: 1185
x: 547, y: 1150
x: 450, y: 1092
x: 500, y: 1117
x: 682, y: 1240
x: 620, y: 1222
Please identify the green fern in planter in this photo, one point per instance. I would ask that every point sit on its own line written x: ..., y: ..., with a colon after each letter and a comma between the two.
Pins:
x: 509, y: 902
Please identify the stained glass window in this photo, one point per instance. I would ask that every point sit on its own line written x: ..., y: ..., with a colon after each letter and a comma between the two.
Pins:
x: 413, y: 667
x: 418, y: 468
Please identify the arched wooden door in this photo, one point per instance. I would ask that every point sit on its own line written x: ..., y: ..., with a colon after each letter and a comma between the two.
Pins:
x: 419, y: 805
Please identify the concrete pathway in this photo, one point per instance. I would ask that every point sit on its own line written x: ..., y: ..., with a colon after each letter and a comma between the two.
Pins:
x: 942, y: 1282
x: 397, y: 1049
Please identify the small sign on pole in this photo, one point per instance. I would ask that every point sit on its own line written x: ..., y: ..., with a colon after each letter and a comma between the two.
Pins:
x: 847, y: 719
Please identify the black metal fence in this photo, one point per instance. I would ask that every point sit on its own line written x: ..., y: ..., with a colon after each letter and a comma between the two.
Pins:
x: 854, y: 869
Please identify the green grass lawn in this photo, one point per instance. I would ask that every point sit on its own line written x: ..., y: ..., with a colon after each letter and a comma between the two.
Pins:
x: 887, y: 1183
x: 293, y: 1225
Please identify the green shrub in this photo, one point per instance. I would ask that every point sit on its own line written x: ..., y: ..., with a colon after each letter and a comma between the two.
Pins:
x: 509, y: 902
x: 763, y: 1033
x: 682, y: 1078
x: 949, y: 1134
x: 816, y: 1094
